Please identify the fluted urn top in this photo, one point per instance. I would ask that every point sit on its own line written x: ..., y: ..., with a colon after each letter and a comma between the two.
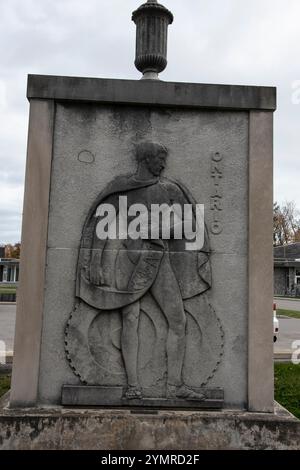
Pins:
x: 152, y: 6
x: 152, y: 20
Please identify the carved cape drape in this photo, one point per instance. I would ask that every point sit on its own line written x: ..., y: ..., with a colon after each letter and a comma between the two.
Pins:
x: 191, y: 268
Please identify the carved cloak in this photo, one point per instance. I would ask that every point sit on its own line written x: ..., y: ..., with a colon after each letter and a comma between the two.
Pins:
x: 132, y: 272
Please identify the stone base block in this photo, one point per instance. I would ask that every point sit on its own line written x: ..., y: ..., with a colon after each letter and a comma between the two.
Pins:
x: 91, y: 429
x: 76, y: 395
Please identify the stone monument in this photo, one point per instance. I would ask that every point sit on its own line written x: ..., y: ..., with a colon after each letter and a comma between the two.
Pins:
x: 120, y: 307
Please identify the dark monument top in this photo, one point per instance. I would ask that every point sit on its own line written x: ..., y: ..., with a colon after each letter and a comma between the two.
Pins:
x: 152, y: 20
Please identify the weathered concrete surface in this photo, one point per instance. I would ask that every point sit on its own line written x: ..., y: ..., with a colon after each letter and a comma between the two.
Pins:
x: 151, y: 92
x: 192, y: 137
x: 260, y: 318
x: 122, y: 430
x: 33, y: 257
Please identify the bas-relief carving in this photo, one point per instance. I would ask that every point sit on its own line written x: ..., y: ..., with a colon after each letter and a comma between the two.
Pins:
x: 142, y: 319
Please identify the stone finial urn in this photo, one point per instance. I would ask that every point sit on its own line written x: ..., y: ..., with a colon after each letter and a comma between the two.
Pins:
x: 152, y: 21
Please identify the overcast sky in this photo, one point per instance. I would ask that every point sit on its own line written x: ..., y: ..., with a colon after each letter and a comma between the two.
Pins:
x: 242, y: 42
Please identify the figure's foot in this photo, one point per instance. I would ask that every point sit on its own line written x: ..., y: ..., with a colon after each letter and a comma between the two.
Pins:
x: 189, y: 394
x: 184, y: 392
x: 133, y: 393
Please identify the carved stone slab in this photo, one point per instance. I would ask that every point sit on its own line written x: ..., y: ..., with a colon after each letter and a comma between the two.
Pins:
x: 73, y: 395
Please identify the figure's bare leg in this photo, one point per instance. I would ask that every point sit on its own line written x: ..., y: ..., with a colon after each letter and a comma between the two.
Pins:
x: 167, y: 294
x: 130, y: 317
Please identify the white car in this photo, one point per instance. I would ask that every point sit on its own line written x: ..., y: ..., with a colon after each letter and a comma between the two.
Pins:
x: 275, y: 324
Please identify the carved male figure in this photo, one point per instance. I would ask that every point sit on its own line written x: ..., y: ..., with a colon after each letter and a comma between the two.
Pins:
x: 116, y: 274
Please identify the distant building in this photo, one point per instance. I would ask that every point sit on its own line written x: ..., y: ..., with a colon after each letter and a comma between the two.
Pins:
x: 287, y: 270
x: 9, y: 270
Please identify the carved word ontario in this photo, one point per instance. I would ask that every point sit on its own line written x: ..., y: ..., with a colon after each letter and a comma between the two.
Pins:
x: 216, y: 199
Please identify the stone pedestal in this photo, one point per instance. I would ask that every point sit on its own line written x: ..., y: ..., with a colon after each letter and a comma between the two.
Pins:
x: 86, y: 429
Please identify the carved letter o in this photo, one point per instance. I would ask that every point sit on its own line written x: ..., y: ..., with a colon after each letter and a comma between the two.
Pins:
x: 216, y: 228
x: 217, y: 157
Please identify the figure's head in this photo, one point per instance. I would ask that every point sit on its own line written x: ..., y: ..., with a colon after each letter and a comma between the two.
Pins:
x: 152, y: 155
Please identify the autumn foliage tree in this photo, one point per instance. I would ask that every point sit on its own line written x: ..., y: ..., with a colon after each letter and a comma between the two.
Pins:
x: 13, y: 251
x: 286, y: 223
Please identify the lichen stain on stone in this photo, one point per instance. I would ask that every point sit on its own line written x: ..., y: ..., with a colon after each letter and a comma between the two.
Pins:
x: 34, y: 433
x: 135, y: 124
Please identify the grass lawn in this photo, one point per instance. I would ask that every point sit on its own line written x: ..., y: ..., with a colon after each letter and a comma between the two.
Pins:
x: 287, y: 386
x: 4, y: 384
x: 8, y: 289
x: 288, y: 313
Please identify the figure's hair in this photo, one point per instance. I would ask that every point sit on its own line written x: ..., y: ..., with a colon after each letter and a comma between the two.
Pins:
x: 147, y: 148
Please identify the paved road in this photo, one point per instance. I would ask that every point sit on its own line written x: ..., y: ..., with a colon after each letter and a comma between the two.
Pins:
x: 288, y: 304
x: 7, y: 325
x: 289, y: 329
